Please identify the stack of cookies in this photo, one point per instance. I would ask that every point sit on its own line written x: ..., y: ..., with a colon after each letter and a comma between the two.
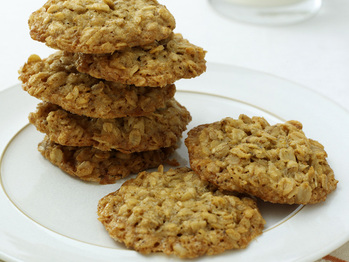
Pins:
x: 108, y: 107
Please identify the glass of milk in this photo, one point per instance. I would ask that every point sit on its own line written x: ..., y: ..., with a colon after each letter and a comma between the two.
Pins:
x: 268, y: 12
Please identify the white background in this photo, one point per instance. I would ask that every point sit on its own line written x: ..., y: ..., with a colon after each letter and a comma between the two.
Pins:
x: 314, y: 53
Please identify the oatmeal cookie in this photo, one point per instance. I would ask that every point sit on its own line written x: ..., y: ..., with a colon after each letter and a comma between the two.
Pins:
x: 276, y: 163
x: 104, y: 167
x: 56, y: 80
x: 175, y: 212
x: 160, y: 129
x: 100, y: 26
x: 170, y: 60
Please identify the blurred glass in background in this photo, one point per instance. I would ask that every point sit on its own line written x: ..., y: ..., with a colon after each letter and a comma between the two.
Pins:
x: 268, y: 12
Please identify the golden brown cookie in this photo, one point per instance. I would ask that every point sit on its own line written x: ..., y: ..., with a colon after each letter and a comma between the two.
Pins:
x: 128, y: 134
x: 276, y: 163
x: 102, y: 26
x: 157, y: 65
x: 104, y: 167
x: 56, y: 80
x: 175, y: 212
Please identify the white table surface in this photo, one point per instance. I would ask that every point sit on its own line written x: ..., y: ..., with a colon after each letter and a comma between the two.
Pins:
x: 314, y: 53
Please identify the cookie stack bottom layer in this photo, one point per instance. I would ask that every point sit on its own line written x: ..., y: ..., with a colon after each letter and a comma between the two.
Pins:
x: 104, y: 167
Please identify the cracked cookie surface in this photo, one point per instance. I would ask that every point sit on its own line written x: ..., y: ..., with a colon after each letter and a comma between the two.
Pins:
x: 175, y: 212
x: 56, y: 80
x: 104, y: 167
x: 276, y: 163
x: 160, y: 129
x: 100, y: 26
x: 157, y: 65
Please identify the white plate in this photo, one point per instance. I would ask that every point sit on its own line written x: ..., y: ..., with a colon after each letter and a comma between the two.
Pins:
x: 47, y: 215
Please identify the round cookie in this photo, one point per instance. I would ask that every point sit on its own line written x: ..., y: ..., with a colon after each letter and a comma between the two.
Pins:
x: 104, y: 167
x: 175, y: 212
x: 157, y: 65
x: 276, y: 163
x: 98, y: 27
x: 56, y: 80
x: 128, y: 134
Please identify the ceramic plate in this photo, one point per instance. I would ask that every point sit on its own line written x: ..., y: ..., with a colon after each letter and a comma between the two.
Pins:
x: 47, y: 215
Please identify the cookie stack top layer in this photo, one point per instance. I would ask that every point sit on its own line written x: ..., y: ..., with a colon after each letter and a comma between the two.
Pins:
x: 128, y: 42
x: 102, y: 26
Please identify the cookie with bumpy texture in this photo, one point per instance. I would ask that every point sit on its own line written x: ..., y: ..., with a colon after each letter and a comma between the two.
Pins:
x: 56, y: 80
x: 175, y: 212
x: 128, y: 134
x: 100, y: 26
x: 157, y: 65
x: 276, y: 163
x: 104, y: 167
